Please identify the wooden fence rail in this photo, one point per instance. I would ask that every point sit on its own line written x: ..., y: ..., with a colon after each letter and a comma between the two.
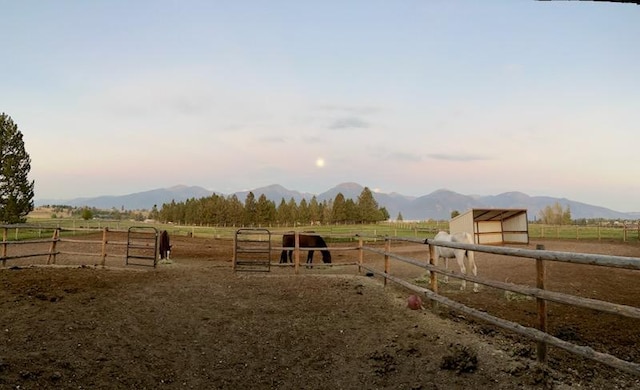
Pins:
x: 55, y: 248
x: 542, y: 296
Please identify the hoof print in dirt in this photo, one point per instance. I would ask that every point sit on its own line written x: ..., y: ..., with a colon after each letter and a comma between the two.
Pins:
x: 462, y: 359
x: 383, y: 363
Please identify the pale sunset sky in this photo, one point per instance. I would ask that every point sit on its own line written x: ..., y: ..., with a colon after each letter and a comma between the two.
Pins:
x: 478, y: 97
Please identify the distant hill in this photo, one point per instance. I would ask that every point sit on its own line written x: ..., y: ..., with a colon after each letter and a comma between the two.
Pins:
x: 436, y: 205
x: 137, y: 201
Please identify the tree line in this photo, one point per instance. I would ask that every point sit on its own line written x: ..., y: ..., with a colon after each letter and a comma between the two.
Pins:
x: 221, y: 210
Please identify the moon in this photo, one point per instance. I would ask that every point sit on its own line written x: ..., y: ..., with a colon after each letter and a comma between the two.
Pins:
x: 320, y: 162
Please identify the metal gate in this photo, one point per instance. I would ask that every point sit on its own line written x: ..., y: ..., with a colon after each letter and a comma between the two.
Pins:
x: 142, y: 246
x: 252, y: 250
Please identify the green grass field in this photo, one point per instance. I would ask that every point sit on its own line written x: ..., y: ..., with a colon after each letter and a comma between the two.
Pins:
x: 43, y: 228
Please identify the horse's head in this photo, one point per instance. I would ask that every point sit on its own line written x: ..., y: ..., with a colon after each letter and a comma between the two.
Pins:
x: 326, y: 257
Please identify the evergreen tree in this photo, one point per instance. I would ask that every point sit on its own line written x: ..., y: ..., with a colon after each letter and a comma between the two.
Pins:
x: 266, y: 211
x: 326, y: 211
x: 368, y: 207
x: 250, y: 210
x: 315, y: 214
x: 154, y: 214
x: 292, y: 207
x: 339, y: 211
x: 235, y: 211
x: 282, y: 213
x: 384, y: 214
x: 351, y: 211
x: 16, y: 191
x: 304, y: 215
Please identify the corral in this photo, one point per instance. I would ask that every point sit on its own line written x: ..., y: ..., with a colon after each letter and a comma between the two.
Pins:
x: 195, y: 323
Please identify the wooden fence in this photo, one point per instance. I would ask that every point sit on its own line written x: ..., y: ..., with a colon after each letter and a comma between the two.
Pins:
x: 62, y: 242
x: 541, y: 295
x: 106, y: 247
x: 624, y: 232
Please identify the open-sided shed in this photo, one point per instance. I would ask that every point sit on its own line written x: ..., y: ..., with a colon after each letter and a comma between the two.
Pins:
x: 493, y: 226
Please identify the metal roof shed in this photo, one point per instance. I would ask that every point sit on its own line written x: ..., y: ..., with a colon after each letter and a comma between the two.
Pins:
x: 493, y: 226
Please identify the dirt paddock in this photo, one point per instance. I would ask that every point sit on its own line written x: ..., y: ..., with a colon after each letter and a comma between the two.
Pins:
x: 196, y: 324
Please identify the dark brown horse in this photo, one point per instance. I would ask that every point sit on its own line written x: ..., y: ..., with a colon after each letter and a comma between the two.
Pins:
x: 306, y: 241
x: 164, y: 246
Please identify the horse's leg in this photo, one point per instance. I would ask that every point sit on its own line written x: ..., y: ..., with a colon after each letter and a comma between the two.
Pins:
x: 310, y: 259
x: 460, y: 255
x: 283, y: 257
x: 474, y: 268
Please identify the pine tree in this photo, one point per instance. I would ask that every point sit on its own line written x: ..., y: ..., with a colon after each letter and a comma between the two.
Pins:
x: 303, y: 212
x: 315, y: 214
x: 250, y: 209
x: 339, y: 211
x: 368, y: 207
x: 16, y: 191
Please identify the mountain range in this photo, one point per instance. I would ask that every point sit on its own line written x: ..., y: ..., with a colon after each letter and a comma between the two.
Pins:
x: 436, y: 205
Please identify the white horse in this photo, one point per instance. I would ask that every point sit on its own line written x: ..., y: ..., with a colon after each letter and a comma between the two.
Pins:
x: 449, y: 253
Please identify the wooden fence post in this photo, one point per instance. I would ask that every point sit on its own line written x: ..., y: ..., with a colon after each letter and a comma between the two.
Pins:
x: 51, y: 259
x: 235, y: 251
x: 296, y: 253
x: 360, y: 254
x: 541, y: 352
x: 432, y: 275
x: 104, y: 246
x: 4, y: 246
x: 387, y: 249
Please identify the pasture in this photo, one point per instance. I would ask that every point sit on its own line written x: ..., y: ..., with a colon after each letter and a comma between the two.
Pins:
x: 195, y: 323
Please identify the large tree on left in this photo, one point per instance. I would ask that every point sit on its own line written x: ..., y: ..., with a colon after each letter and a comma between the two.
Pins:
x: 16, y: 191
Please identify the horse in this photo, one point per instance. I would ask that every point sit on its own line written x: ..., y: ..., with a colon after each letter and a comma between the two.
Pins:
x: 306, y: 241
x: 449, y: 253
x: 164, y: 245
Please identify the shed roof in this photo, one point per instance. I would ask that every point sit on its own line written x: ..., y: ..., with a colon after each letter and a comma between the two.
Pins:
x: 496, y: 214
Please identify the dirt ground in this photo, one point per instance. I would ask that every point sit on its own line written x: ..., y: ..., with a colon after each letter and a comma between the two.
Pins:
x: 195, y: 323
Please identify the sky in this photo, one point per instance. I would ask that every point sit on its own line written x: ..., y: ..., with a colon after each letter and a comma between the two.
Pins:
x: 478, y: 97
